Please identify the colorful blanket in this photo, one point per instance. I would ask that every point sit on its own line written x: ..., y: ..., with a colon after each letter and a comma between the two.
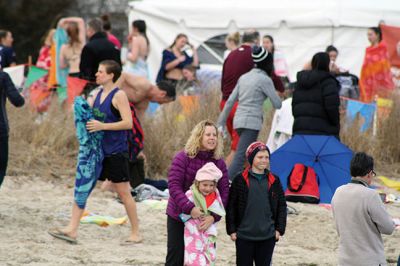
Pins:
x: 102, y: 220
x: 90, y: 156
x: 376, y: 78
x: 391, y: 36
x: 40, y: 94
x: 200, y: 247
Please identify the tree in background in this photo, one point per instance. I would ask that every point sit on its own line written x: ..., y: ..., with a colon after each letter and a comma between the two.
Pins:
x: 29, y: 21
x: 116, y: 9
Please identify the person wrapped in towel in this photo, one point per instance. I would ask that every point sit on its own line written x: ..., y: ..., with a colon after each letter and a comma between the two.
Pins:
x: 200, y: 248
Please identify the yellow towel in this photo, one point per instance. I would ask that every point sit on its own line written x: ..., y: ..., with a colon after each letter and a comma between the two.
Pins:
x: 390, y: 183
x: 382, y: 102
x: 102, y: 220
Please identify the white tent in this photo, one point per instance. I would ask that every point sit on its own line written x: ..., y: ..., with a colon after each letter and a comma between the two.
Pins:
x: 300, y: 28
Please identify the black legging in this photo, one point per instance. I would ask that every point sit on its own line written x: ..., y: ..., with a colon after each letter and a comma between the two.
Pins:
x: 175, y: 243
x: 3, y: 157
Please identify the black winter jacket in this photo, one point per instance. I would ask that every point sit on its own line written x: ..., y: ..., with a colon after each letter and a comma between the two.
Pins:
x: 237, y: 203
x: 7, y: 90
x: 98, y: 48
x: 315, y: 104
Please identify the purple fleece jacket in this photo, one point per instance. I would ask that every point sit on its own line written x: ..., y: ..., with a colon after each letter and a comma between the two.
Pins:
x: 181, y: 176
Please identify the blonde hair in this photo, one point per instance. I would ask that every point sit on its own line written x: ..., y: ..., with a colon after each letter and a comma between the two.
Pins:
x: 193, y: 144
x: 234, y: 37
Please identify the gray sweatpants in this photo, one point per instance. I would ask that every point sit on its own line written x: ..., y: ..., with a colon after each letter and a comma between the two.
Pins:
x: 246, y: 137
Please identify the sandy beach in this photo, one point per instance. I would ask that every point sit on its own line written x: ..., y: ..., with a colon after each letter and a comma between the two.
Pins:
x: 29, y: 206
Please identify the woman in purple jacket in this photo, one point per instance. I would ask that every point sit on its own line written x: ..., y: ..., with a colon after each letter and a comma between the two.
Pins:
x: 203, y: 146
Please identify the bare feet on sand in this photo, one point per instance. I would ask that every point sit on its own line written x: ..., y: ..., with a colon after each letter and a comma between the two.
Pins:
x: 133, y: 239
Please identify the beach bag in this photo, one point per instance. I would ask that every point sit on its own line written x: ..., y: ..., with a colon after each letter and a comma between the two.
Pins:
x: 302, y: 185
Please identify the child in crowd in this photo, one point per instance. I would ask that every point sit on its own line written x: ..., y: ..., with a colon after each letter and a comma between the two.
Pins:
x: 256, y: 211
x: 200, y: 246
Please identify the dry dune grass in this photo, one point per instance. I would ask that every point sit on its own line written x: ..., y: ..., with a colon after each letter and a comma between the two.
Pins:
x: 49, y: 149
x: 167, y: 133
x: 383, y: 146
x: 45, y: 149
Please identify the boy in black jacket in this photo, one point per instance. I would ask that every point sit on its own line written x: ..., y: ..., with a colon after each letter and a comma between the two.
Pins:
x: 256, y: 212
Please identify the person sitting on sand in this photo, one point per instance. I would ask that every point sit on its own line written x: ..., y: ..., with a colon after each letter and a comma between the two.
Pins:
x: 112, y: 104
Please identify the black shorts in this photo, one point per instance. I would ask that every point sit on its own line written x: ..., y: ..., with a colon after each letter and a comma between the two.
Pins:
x: 115, y: 168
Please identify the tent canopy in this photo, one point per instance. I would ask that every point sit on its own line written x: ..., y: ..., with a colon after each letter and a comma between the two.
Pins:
x: 300, y: 28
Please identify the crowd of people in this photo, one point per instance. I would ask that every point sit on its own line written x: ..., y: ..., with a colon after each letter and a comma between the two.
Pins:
x: 203, y: 185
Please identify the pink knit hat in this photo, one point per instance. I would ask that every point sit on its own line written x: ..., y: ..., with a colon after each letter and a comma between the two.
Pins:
x: 208, y: 172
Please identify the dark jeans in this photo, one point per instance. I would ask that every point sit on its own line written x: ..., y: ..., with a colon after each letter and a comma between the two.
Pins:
x: 3, y: 157
x: 175, y: 243
x: 246, y: 137
x: 258, y: 251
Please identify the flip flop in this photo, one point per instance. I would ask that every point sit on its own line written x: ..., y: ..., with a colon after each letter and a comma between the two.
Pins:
x: 57, y: 233
x: 131, y: 242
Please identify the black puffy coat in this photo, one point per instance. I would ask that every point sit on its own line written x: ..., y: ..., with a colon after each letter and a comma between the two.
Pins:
x: 315, y: 104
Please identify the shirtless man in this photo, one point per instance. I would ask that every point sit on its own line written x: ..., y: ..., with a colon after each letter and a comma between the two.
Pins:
x: 140, y: 91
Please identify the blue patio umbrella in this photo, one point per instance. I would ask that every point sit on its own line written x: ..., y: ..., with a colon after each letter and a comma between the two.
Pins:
x: 327, y: 155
